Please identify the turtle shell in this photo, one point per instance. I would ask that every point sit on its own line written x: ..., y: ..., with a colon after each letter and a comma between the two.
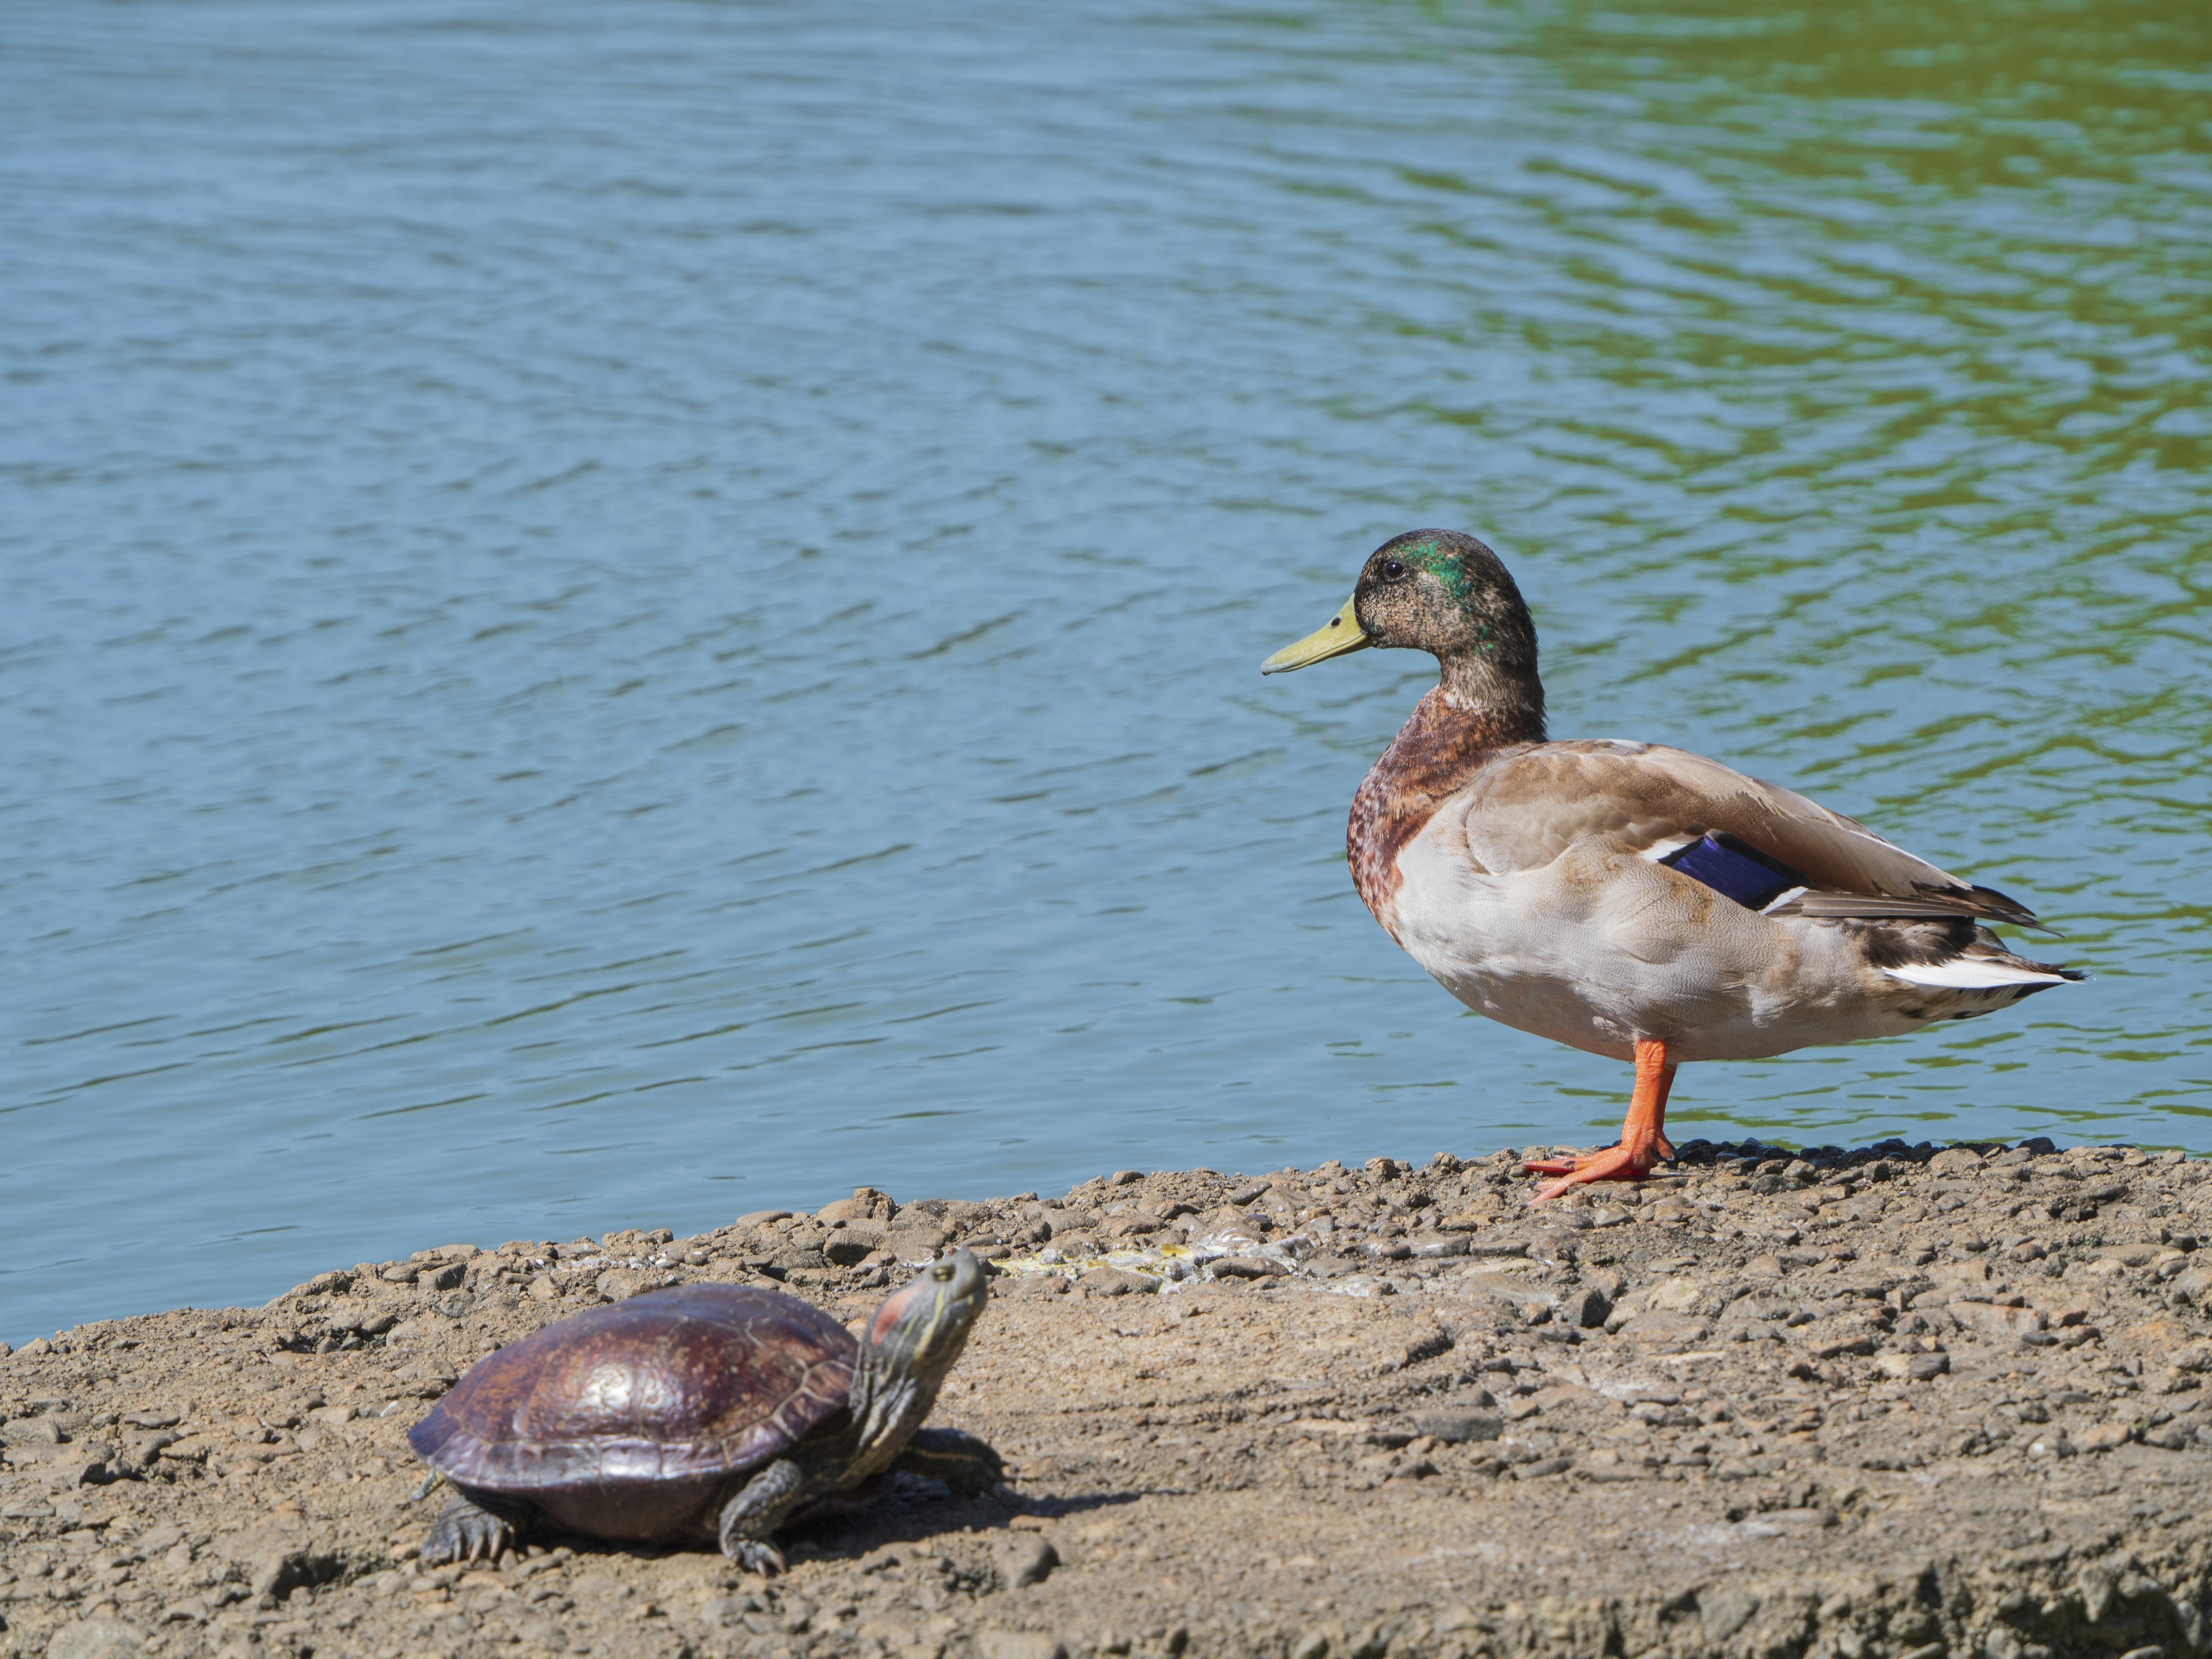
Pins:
x: 685, y: 1384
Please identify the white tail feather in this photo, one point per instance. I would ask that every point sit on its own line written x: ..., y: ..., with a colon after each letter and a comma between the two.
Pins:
x: 1973, y: 974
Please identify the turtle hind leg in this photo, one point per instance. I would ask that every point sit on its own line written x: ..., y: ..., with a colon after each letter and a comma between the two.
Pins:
x: 961, y: 1461
x: 750, y: 1520
x: 474, y: 1527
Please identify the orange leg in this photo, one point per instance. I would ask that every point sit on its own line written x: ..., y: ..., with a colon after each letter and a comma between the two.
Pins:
x: 1643, y: 1136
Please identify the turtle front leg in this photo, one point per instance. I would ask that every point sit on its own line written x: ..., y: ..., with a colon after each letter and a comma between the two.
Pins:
x: 752, y: 1518
x: 474, y: 1527
x: 957, y: 1458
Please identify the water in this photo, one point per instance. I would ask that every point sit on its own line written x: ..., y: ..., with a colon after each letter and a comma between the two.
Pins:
x: 612, y: 615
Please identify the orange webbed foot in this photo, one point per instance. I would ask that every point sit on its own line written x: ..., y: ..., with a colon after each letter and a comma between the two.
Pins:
x: 1644, y: 1140
x: 1615, y: 1163
x: 1554, y: 1166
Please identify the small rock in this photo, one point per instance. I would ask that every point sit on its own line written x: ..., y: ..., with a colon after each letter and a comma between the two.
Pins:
x: 1246, y: 1266
x: 95, y: 1638
x: 80, y: 1466
x: 1026, y: 1560
x: 727, y: 1609
x: 1919, y: 1367
x: 1844, y: 1346
x: 1722, y: 1612
x: 1498, y: 1247
x: 1456, y: 1427
x: 1991, y: 1319
x: 916, y: 1239
x: 995, y: 1643
x: 1666, y: 1327
x: 281, y: 1572
x: 1586, y: 1309
x: 1313, y: 1645
x: 852, y: 1243
x: 866, y: 1204
x: 1112, y: 1281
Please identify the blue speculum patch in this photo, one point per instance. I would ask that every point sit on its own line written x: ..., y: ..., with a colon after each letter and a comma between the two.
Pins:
x: 1735, y: 870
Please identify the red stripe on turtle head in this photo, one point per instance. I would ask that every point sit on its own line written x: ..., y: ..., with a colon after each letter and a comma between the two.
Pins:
x: 926, y: 1321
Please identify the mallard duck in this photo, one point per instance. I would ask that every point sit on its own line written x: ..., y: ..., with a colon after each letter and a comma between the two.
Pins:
x: 1629, y: 898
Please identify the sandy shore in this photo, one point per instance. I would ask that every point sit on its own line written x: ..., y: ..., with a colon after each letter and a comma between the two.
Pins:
x: 1895, y: 1402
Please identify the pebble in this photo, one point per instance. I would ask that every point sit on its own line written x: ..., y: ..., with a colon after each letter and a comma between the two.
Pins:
x: 1246, y: 1266
x: 1112, y: 1281
x: 1024, y: 1560
x: 992, y: 1643
x: 1429, y: 1247
x: 1456, y: 1427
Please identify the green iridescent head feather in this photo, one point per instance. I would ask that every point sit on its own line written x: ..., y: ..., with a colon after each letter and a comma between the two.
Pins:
x: 1442, y: 592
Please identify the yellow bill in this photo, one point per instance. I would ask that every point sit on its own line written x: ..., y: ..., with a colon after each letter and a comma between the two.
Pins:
x: 1340, y: 634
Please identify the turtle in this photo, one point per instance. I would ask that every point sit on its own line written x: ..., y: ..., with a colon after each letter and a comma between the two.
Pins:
x: 703, y: 1413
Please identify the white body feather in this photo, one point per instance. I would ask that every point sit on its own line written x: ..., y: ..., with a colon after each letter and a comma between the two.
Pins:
x: 1601, y: 946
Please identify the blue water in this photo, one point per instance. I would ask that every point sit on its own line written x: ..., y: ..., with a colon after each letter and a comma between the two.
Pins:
x: 611, y: 616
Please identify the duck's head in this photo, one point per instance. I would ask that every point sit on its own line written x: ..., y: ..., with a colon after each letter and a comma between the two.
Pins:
x: 1442, y: 592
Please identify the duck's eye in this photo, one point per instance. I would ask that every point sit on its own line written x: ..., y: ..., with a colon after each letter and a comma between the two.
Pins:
x: 942, y: 1272
x: 1392, y: 570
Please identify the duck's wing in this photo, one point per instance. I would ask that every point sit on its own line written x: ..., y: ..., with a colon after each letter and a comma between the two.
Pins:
x: 1528, y: 806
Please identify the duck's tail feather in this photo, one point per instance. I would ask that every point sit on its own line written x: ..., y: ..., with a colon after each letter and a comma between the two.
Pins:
x: 1978, y: 903
x: 1983, y: 972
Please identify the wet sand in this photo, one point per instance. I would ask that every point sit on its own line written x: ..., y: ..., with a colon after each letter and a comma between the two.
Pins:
x: 1892, y: 1403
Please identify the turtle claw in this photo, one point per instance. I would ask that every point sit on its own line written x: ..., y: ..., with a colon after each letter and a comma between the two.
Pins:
x: 753, y: 1556
x: 466, y: 1532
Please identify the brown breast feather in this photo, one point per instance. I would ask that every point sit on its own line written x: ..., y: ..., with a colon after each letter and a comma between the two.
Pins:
x: 1438, y: 749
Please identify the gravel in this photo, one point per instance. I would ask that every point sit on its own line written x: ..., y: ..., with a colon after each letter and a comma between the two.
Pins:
x: 1898, y: 1401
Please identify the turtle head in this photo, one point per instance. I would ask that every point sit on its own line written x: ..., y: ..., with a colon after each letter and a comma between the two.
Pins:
x: 922, y: 1327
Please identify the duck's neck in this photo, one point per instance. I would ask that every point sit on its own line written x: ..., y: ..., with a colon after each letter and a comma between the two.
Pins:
x: 1448, y: 736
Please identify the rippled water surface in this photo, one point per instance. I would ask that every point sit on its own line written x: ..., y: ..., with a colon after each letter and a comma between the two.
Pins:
x: 614, y: 614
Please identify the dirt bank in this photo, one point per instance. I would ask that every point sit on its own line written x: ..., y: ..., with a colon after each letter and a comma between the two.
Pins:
x: 1891, y: 1402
